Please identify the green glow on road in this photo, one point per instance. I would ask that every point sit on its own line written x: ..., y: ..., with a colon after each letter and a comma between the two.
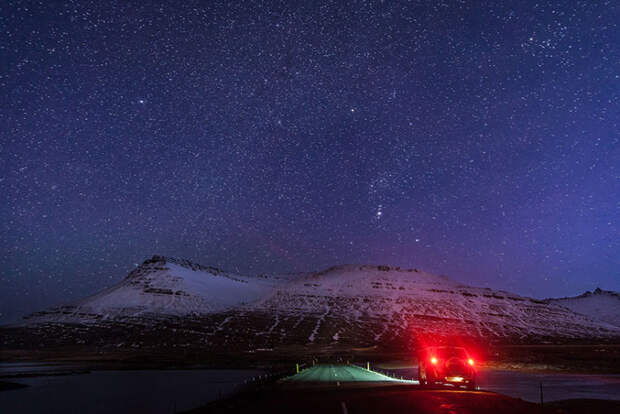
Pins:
x: 342, y: 373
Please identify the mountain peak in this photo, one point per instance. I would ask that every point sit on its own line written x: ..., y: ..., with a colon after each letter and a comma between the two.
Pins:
x: 597, y: 292
x: 159, y: 261
x: 350, y: 268
x: 602, y: 305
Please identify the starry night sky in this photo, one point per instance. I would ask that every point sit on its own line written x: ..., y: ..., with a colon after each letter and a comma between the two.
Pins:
x: 475, y: 139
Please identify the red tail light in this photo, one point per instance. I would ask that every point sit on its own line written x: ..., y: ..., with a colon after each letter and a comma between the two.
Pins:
x: 470, y: 362
x: 434, y: 360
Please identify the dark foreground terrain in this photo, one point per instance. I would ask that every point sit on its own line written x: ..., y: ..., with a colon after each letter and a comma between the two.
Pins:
x: 5, y: 386
x: 319, y: 387
x: 574, y: 356
x: 347, y: 388
x: 376, y: 398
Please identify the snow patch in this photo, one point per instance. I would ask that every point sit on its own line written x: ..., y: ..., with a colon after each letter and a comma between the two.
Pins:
x: 319, y: 321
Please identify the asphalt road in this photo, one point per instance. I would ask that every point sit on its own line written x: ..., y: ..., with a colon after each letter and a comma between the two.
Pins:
x: 348, y: 389
x: 371, y: 399
x: 341, y: 373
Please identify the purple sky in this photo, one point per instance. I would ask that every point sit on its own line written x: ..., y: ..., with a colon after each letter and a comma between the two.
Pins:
x: 474, y: 139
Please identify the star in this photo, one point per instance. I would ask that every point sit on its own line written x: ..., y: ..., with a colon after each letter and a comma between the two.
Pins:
x: 224, y: 144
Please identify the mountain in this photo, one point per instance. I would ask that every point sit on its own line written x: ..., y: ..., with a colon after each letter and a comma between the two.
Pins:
x: 163, y: 286
x: 600, y: 305
x: 173, y: 302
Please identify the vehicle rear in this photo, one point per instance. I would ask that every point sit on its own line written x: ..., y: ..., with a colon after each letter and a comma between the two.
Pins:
x: 446, y: 365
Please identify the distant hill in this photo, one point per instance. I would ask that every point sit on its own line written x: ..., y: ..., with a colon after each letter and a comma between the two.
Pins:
x: 600, y: 305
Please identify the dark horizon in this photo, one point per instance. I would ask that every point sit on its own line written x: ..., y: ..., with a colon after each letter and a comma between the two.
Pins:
x: 479, y: 141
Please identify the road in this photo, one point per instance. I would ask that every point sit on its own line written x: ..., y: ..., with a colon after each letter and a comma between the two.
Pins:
x: 371, y: 399
x: 341, y: 373
x: 348, y: 389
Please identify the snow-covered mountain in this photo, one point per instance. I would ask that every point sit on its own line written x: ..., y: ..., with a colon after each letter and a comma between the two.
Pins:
x: 344, y: 305
x: 601, y: 305
x: 165, y: 286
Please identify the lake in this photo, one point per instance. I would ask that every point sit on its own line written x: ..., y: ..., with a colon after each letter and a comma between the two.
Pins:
x: 153, y: 391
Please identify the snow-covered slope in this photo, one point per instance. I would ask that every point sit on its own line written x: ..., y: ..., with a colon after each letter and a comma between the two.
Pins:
x: 601, y: 305
x: 412, y: 300
x: 165, y: 286
x: 349, y: 303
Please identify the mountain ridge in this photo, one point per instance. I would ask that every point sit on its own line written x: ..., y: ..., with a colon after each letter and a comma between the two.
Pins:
x: 343, y: 303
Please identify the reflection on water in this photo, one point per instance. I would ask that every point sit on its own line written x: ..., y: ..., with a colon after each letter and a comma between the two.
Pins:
x: 16, y: 369
x: 555, y: 386
x: 153, y: 391
x: 526, y: 385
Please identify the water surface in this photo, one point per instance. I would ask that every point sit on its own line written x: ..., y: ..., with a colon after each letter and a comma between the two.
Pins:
x: 119, y: 392
x: 526, y: 385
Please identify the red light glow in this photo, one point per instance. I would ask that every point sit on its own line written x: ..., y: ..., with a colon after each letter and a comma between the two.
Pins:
x: 471, y: 362
x: 434, y: 361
